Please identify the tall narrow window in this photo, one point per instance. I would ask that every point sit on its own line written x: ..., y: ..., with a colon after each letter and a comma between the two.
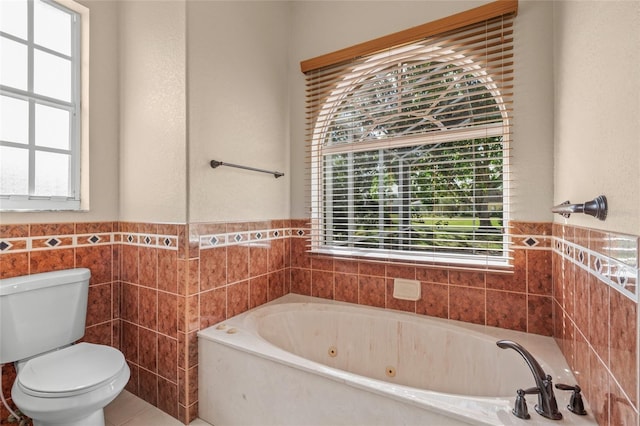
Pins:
x: 409, y: 145
x: 40, y: 105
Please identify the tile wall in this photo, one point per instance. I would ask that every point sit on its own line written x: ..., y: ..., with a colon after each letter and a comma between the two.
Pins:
x: 29, y: 249
x: 152, y: 289
x: 146, y: 295
x: 228, y: 268
x: 596, y: 317
x: 520, y: 300
x: 155, y: 285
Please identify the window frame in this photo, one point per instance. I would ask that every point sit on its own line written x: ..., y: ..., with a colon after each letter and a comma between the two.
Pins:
x: 78, y: 108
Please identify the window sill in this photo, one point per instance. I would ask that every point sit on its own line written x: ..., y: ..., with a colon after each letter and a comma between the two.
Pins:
x: 476, y: 263
x: 26, y: 205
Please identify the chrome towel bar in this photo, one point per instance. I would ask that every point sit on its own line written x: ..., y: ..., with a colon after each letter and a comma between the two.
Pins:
x: 215, y: 163
x: 597, y: 208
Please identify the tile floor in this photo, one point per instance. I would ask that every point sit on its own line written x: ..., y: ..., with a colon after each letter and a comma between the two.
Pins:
x: 129, y: 410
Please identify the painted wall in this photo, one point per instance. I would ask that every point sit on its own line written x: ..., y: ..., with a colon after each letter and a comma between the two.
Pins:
x: 238, y: 109
x: 103, y: 117
x: 356, y: 22
x: 596, y: 151
x: 597, y: 109
x: 153, y: 144
x: 159, y: 52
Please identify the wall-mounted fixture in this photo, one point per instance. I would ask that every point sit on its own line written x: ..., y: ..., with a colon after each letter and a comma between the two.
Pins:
x: 597, y: 208
x: 215, y: 163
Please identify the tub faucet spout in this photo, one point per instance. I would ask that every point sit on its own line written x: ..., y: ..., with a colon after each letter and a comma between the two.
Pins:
x: 547, y: 405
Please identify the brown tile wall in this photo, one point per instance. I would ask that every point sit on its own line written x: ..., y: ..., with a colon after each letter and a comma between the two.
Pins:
x: 150, y: 298
x: 518, y: 300
x: 152, y: 294
x: 152, y: 289
x: 101, y: 257
x: 221, y: 282
x: 595, y: 324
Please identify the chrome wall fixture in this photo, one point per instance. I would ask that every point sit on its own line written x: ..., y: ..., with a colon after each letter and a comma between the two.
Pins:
x: 215, y: 163
x: 597, y: 208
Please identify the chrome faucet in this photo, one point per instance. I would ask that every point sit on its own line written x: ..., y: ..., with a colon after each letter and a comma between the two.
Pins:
x: 547, y: 405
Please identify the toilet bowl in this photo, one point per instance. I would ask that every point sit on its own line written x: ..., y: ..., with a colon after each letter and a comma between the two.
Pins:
x: 58, y: 382
x: 70, y: 386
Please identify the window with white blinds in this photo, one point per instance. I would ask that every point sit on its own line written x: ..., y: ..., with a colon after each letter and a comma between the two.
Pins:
x: 409, y: 144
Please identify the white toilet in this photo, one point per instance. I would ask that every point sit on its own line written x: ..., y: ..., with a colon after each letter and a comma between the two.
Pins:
x: 58, y: 382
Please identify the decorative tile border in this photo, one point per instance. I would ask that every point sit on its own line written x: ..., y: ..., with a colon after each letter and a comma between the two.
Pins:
x: 169, y: 242
x: 49, y: 242
x: 243, y: 238
x: 161, y: 241
x: 531, y: 242
x: 622, y: 275
x: 25, y: 244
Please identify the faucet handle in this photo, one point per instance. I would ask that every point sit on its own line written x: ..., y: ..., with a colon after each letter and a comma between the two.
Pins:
x: 576, y: 405
x: 520, y: 409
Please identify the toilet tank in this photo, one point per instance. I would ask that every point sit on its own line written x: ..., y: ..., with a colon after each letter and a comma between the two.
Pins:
x: 41, y: 312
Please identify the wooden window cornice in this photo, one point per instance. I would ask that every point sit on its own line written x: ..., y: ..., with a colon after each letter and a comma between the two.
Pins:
x: 439, y: 26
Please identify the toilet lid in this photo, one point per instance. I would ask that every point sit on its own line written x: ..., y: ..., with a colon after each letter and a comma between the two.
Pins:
x: 72, y: 369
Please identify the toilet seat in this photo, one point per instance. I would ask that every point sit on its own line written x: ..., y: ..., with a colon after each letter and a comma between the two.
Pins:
x: 70, y: 371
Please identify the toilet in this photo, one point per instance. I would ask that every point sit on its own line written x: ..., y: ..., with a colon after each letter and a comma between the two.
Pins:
x: 58, y: 381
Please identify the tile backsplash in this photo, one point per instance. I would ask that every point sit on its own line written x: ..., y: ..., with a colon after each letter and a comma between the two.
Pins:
x: 29, y: 249
x: 595, y: 293
x: 154, y: 286
x: 520, y: 299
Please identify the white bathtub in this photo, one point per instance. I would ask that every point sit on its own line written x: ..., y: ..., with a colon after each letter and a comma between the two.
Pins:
x: 308, y: 361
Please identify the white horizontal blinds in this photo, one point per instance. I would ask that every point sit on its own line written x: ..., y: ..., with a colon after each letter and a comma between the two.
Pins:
x: 409, y: 148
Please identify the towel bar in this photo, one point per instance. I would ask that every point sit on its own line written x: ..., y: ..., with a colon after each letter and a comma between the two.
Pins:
x: 215, y: 163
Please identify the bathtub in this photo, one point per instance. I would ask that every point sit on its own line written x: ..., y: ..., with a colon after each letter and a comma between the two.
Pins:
x: 300, y: 360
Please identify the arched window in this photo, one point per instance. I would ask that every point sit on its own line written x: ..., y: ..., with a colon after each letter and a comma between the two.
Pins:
x: 409, y: 150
